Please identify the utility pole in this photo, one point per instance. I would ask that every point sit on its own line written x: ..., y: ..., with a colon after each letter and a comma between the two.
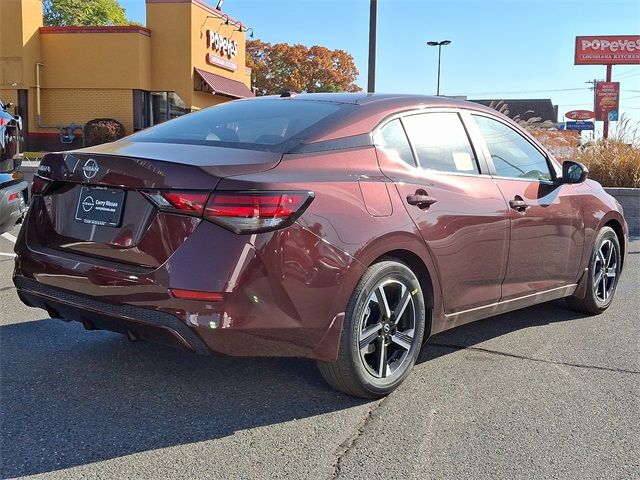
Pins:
x: 593, y: 89
x: 373, y: 20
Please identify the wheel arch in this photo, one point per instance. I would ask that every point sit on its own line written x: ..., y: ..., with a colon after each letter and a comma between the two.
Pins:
x: 619, y: 230
x: 415, y: 263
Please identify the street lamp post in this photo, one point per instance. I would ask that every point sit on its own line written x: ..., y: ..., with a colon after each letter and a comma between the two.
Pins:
x: 439, y: 45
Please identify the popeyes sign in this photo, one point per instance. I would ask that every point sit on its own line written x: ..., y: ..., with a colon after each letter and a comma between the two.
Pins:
x: 223, y: 50
x: 608, y: 50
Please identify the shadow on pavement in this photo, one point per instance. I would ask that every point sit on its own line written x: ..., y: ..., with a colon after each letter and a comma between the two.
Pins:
x: 70, y: 397
x: 477, y: 332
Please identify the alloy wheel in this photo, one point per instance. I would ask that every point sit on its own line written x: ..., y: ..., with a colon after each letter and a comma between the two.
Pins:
x: 387, y: 328
x: 605, y: 272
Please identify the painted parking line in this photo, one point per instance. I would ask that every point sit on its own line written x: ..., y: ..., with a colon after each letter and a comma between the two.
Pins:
x: 9, y: 237
x: 2, y: 254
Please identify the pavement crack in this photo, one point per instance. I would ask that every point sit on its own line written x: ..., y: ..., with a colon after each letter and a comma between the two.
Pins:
x: 342, y: 449
x: 533, y: 359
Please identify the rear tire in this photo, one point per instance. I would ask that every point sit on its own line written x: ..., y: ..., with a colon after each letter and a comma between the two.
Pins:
x: 603, y: 274
x: 382, y: 332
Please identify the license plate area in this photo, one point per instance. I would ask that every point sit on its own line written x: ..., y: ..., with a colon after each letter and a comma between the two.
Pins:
x: 100, y: 206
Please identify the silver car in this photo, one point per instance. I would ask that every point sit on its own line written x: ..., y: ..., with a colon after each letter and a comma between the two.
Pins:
x: 13, y: 199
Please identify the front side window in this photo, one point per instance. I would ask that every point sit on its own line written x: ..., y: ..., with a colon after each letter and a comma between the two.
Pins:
x: 393, y: 141
x: 512, y: 155
x: 441, y: 142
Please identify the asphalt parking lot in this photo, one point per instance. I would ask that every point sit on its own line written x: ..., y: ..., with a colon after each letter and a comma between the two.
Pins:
x: 541, y: 393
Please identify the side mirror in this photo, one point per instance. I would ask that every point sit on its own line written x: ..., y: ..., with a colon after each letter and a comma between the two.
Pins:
x: 574, y: 172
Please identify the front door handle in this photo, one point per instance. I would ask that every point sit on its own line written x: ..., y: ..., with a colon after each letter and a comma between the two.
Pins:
x: 518, y: 204
x: 420, y: 200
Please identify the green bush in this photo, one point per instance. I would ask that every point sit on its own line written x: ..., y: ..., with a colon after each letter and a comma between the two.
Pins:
x: 102, y: 130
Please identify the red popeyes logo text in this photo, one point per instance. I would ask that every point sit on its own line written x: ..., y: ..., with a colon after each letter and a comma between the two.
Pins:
x: 607, y: 50
x: 222, y: 45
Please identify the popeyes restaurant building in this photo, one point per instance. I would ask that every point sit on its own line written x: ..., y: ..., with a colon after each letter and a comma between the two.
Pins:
x: 188, y: 57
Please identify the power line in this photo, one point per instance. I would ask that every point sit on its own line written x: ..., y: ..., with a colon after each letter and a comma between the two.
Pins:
x: 527, y: 91
x: 629, y: 73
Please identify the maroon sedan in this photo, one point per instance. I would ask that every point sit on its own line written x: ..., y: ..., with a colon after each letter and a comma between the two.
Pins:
x: 344, y: 228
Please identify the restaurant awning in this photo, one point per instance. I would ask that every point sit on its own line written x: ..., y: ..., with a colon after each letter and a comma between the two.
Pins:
x: 219, y: 85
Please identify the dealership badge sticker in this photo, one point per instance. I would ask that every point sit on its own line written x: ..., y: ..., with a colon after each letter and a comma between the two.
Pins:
x: 90, y: 169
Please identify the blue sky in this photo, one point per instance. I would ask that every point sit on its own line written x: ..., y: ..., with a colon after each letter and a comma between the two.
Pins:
x: 500, y: 48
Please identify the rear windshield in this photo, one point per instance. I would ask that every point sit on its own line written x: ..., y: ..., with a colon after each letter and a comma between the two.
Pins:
x: 264, y: 124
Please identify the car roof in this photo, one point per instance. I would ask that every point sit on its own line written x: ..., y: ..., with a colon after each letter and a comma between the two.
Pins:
x: 372, y: 109
x: 364, y: 98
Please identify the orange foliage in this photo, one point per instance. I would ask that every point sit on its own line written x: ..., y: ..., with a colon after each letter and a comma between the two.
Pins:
x: 282, y: 67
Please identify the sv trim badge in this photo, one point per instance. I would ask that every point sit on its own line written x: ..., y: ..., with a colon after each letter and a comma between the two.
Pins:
x: 90, y: 169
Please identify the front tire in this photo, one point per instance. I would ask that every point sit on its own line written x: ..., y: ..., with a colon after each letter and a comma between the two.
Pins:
x: 603, y: 274
x: 382, y: 332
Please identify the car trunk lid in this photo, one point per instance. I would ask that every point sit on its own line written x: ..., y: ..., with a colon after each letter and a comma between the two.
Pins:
x: 98, y: 204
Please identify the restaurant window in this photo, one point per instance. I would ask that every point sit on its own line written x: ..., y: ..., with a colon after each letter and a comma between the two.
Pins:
x: 152, y: 108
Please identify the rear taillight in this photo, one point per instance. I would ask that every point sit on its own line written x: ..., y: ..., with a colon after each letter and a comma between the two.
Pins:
x: 240, y: 212
x: 179, y: 201
x: 13, y: 197
x: 39, y: 185
x: 253, y: 212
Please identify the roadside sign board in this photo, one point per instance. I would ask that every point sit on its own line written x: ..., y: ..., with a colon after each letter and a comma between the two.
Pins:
x: 608, y: 50
x: 580, y: 114
x: 607, y: 101
x: 579, y: 125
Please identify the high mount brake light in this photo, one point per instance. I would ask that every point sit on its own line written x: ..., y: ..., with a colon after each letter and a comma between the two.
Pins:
x: 240, y: 212
x: 39, y: 185
x: 254, y: 211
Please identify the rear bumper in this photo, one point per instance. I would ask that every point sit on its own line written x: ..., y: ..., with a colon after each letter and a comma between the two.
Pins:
x: 12, y: 212
x: 135, y: 322
x: 270, y: 306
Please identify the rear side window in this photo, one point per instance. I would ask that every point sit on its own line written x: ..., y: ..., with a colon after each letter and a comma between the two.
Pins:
x: 441, y: 142
x: 512, y: 155
x: 392, y: 139
x: 263, y: 124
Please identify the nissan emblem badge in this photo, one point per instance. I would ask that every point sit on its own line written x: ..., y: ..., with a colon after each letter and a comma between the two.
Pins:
x: 90, y: 169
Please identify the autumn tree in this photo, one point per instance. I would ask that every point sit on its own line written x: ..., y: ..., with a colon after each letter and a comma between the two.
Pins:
x: 281, y: 67
x: 59, y: 13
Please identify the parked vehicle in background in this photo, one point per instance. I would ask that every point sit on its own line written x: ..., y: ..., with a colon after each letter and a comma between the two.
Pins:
x: 13, y: 186
x: 345, y: 228
x: 10, y: 136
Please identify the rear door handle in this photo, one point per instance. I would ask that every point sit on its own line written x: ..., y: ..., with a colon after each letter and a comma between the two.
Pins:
x: 422, y: 201
x: 518, y: 204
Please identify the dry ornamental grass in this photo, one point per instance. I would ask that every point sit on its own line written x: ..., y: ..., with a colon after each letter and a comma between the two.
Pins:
x: 613, y: 163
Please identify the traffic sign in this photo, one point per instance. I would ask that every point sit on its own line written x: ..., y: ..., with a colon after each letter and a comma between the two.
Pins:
x: 579, y: 126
